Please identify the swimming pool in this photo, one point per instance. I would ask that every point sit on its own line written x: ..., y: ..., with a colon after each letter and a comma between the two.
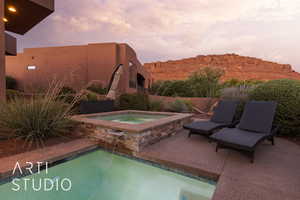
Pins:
x: 101, y: 175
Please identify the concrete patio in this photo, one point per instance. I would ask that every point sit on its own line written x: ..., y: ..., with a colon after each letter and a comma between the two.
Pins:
x: 273, y: 176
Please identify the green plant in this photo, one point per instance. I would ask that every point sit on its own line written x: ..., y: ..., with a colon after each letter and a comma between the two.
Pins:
x: 287, y: 94
x: 11, y: 83
x: 203, y: 83
x: 237, y: 93
x: 238, y: 83
x: 189, y: 105
x: 136, y: 101
x: 91, y: 96
x: 67, y: 90
x: 67, y: 94
x: 231, y: 83
x: 97, y: 88
x: 38, y: 118
x: 12, y: 94
x: 179, y: 106
x: 155, y: 87
x: 156, y: 105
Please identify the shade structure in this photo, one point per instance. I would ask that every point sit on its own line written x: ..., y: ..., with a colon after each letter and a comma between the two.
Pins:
x: 10, y: 45
x: 22, y: 15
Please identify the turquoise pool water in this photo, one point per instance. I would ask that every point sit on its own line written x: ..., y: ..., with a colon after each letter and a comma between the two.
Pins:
x: 100, y: 175
x: 129, y: 118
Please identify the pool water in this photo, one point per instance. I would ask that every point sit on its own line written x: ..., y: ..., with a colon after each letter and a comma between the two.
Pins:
x: 100, y: 175
x: 129, y: 118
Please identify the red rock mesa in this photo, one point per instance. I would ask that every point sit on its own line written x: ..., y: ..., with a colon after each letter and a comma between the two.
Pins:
x: 234, y: 66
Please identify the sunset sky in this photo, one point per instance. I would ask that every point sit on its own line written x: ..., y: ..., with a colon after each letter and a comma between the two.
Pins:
x: 161, y: 30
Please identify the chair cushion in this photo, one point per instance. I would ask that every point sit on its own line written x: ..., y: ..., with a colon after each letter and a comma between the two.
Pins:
x: 258, y: 116
x: 225, y: 111
x: 238, y: 137
x: 203, y: 126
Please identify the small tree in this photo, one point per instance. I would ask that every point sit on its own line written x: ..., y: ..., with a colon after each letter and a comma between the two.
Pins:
x: 205, y: 82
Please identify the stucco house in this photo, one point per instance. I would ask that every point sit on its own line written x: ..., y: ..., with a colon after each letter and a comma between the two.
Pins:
x: 79, y: 66
x: 18, y: 17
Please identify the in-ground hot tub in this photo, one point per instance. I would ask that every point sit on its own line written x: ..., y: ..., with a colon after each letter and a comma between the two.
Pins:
x: 130, y: 129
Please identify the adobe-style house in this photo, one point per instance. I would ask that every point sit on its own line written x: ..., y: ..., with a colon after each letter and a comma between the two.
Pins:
x: 113, y: 65
x: 18, y: 16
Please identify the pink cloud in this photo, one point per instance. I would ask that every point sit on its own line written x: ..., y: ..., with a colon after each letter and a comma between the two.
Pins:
x: 170, y: 29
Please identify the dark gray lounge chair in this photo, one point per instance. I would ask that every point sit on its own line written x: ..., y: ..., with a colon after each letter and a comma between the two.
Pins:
x: 256, y: 125
x: 223, y: 117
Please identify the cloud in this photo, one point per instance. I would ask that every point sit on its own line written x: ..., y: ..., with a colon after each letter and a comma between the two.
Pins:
x: 171, y: 29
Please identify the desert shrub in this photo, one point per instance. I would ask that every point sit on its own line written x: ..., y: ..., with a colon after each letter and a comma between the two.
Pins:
x: 239, y: 93
x: 36, y: 119
x: 189, y: 105
x: 287, y: 94
x: 179, y: 106
x: 91, y: 96
x: 156, y: 105
x: 203, y: 83
x: 252, y: 82
x: 155, y: 87
x: 12, y: 94
x: 11, y: 83
x: 67, y: 90
x: 179, y: 88
x: 136, y: 101
x: 67, y: 94
x: 231, y: 83
x: 241, y: 83
x: 97, y: 88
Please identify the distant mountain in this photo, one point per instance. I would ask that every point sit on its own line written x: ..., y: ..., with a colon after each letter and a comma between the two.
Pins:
x: 234, y: 66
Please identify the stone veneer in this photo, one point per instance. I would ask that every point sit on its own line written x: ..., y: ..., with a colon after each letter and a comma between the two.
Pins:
x: 130, y: 138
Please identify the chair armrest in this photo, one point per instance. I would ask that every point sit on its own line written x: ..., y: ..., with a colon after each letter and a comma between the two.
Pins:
x: 234, y: 124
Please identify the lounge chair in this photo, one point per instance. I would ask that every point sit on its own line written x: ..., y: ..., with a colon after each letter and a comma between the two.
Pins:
x: 223, y: 117
x: 256, y: 125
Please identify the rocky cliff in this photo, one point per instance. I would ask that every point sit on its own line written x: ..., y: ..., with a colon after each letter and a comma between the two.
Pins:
x: 234, y: 66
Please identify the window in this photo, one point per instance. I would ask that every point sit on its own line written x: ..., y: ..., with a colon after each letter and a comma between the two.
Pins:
x: 31, y: 67
x: 132, y: 75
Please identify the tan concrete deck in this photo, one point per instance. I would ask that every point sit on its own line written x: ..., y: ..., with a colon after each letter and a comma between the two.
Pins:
x: 275, y: 174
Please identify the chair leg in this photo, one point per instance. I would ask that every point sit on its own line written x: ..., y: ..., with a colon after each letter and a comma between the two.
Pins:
x: 252, y: 155
x: 217, y: 146
x: 190, y: 133
x: 272, y: 140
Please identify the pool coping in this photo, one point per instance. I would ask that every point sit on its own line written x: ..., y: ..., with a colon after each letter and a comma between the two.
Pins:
x: 194, y: 171
x: 130, y: 128
x: 163, y: 166
x: 77, y: 149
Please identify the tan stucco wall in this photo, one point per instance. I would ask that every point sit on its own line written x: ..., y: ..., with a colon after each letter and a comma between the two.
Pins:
x: 2, y: 58
x: 75, y: 65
